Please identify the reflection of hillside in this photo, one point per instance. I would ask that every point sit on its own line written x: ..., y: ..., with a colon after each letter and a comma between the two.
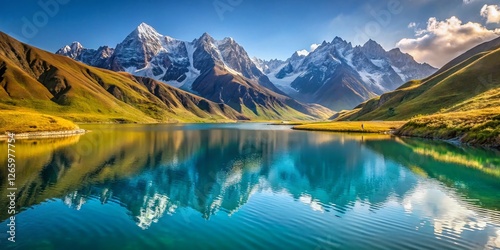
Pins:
x: 31, y: 156
x: 471, y: 171
x: 31, y: 153
x: 166, y: 169
x: 100, y: 156
x: 489, y: 165
x: 154, y: 173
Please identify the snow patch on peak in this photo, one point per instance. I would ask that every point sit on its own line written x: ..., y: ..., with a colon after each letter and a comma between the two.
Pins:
x: 302, y: 52
x: 65, y: 49
x: 145, y: 28
x: 192, y: 73
x: 76, y: 45
x: 146, y: 32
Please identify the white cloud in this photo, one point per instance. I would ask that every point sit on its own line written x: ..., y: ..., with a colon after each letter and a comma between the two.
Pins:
x: 468, y: 1
x: 303, y: 52
x: 314, y: 46
x: 412, y: 25
x: 491, y: 13
x: 444, y: 40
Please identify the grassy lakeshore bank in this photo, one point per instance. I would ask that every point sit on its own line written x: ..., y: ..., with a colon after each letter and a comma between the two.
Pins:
x: 475, y: 128
x: 17, y: 121
x: 353, y: 126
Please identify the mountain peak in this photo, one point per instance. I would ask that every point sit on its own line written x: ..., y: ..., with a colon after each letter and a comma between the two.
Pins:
x: 146, y: 30
x: 206, y: 38
x: 228, y: 40
x: 144, y: 26
x: 338, y: 39
x: 72, y: 50
x: 341, y: 43
x: 75, y: 45
x: 299, y: 54
x: 205, y: 35
x: 372, y: 44
x: 373, y: 49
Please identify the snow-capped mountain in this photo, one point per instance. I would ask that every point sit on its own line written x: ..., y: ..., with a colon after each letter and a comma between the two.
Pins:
x: 220, y: 71
x: 98, y: 58
x: 145, y: 52
x: 73, y: 50
x: 340, y: 76
x: 336, y: 74
x: 267, y: 66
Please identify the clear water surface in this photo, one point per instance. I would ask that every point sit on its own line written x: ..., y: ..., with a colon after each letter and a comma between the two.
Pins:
x: 250, y: 186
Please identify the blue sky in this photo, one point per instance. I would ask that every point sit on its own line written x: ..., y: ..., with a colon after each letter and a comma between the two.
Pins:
x: 266, y: 28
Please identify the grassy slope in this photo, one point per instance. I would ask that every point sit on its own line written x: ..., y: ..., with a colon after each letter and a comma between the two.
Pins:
x: 252, y: 99
x: 356, y: 127
x: 39, y: 81
x: 25, y: 121
x: 461, y: 83
x: 477, y: 127
x: 462, y: 102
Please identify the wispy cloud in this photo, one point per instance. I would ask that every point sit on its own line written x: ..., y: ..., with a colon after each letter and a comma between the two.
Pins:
x: 491, y: 13
x: 442, y: 41
x: 314, y: 46
x: 303, y: 52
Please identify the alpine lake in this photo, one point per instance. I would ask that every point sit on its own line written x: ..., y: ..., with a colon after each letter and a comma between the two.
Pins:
x: 249, y: 186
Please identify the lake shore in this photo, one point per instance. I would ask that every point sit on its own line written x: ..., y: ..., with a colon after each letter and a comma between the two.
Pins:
x: 46, y: 134
x: 479, y: 128
x: 428, y: 127
x: 353, y: 126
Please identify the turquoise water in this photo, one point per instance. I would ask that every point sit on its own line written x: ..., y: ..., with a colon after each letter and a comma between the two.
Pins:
x: 250, y: 186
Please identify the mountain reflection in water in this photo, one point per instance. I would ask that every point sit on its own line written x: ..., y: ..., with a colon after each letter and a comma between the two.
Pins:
x: 190, y: 171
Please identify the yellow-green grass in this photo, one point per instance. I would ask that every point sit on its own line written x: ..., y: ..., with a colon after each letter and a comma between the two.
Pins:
x: 353, y: 127
x: 55, y: 85
x: 475, y: 127
x: 472, y: 83
x: 24, y: 122
x: 59, y: 86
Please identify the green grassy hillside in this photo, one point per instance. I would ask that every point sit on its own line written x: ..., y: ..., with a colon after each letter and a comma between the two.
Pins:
x: 476, y: 127
x: 37, y: 81
x: 460, y: 102
x: 20, y: 121
x: 472, y: 84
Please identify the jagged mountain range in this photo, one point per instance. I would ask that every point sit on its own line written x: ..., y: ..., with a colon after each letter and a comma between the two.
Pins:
x: 33, y: 80
x: 220, y: 71
x: 339, y: 75
x: 335, y: 75
x: 468, y: 83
